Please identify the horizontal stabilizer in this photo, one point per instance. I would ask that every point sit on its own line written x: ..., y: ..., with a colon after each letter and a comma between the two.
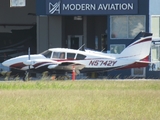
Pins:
x: 143, y: 62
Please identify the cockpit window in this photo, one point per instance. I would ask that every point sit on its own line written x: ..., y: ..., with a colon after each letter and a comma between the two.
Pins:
x: 60, y: 55
x: 55, y: 55
x: 80, y: 57
x: 47, y: 53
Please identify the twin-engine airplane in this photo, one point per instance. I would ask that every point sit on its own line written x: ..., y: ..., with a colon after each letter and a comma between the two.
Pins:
x: 61, y: 60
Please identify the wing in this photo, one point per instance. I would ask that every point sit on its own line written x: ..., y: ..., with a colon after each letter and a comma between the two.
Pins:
x: 58, y: 65
x: 41, y: 63
x: 67, y: 66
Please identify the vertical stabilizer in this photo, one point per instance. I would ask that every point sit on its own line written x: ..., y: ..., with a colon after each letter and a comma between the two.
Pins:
x: 139, y: 49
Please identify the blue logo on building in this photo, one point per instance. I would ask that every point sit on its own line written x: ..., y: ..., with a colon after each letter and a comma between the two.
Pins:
x: 54, y: 8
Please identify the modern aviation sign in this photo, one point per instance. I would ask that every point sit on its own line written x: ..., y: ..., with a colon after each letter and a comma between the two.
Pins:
x: 91, y: 7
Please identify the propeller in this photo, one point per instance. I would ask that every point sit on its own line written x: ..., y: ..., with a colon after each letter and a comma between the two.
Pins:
x: 26, y: 77
x: 29, y: 56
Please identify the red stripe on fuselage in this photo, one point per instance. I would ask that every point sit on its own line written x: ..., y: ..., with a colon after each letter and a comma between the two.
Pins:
x: 18, y: 65
x: 145, y: 59
x: 138, y: 64
x: 38, y: 64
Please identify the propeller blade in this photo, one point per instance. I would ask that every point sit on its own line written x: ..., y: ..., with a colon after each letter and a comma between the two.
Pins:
x: 29, y: 53
x: 29, y: 57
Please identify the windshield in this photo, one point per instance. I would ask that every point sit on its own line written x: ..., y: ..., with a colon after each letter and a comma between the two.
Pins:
x: 47, y: 53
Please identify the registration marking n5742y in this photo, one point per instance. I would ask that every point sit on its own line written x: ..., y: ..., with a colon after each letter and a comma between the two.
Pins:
x: 102, y: 63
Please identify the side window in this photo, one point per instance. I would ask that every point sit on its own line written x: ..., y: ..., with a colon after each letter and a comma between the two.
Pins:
x: 155, y: 57
x: 80, y: 57
x: 155, y: 26
x: 70, y: 55
x: 138, y: 72
x: 126, y: 26
x: 116, y: 48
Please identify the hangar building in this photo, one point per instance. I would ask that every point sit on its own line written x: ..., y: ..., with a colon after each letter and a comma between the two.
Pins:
x: 108, y: 25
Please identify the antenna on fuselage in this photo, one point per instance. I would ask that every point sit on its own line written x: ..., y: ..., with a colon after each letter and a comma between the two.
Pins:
x: 103, y: 49
x: 81, y: 46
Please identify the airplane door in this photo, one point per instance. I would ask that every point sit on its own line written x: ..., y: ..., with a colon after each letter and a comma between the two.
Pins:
x: 74, y: 42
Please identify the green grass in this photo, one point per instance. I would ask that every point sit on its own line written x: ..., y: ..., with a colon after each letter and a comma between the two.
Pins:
x: 80, y: 100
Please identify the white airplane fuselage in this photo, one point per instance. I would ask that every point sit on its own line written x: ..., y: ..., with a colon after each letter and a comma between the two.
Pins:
x: 63, y: 59
x: 93, y: 61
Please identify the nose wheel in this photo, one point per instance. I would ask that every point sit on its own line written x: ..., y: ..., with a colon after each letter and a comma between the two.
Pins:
x: 26, y: 76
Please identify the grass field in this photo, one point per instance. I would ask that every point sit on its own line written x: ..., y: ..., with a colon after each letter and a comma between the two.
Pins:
x: 80, y: 100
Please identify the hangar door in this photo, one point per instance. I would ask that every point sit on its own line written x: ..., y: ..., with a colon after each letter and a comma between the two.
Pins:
x: 74, y: 41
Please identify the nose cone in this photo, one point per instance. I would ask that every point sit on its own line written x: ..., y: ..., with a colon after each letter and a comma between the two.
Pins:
x: 6, y: 63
